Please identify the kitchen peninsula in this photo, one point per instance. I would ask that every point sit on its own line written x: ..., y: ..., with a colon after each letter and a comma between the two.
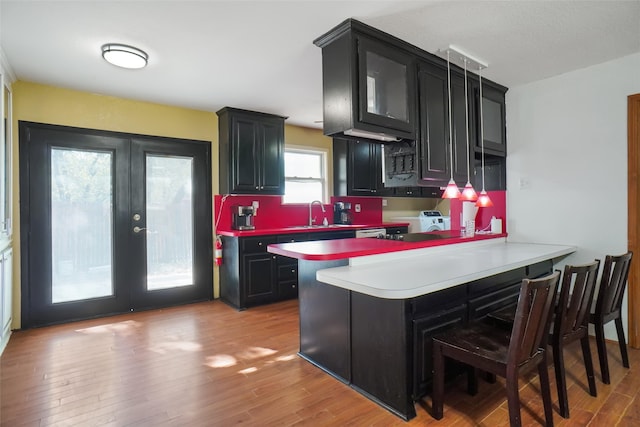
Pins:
x: 369, y: 307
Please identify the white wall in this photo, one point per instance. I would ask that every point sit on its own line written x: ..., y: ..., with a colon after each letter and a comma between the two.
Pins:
x: 567, y: 160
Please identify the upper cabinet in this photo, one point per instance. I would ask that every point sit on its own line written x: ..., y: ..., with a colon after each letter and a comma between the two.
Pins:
x: 251, y: 151
x: 368, y: 85
x: 384, y: 89
x: 434, y: 146
x: 494, y: 114
x: 357, y: 168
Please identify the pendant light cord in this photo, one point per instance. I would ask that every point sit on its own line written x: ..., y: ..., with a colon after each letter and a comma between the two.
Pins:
x: 466, y: 120
x: 481, y: 125
x: 450, y: 124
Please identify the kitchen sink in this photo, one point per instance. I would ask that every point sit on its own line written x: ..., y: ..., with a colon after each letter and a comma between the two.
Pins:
x: 294, y: 227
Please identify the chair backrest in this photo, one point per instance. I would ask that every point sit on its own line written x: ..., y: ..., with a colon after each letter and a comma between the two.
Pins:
x: 531, y: 322
x: 612, y: 283
x: 575, y: 298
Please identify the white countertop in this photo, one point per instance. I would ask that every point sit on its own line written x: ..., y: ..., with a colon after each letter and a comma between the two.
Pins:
x: 437, y: 268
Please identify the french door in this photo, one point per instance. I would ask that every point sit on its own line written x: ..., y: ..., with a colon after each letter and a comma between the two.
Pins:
x: 111, y: 223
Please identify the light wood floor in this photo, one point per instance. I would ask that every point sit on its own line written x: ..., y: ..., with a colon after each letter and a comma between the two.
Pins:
x: 208, y: 365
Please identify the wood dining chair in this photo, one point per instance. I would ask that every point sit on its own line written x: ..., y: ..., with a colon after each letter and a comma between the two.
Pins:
x: 608, y: 307
x: 570, y: 323
x: 500, y: 352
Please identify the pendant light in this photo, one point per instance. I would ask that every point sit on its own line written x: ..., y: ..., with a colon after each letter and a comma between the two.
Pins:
x: 451, y: 191
x: 483, y: 200
x: 468, y: 194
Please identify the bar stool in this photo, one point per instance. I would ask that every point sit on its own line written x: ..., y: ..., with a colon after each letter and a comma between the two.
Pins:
x: 608, y: 307
x: 570, y: 323
x: 499, y: 352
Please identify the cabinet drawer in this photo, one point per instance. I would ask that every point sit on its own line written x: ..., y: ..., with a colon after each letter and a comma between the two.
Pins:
x: 540, y: 269
x: 435, y: 302
x: 288, y: 289
x: 256, y: 245
x: 288, y: 272
x: 292, y: 238
x: 480, y: 307
x: 495, y: 282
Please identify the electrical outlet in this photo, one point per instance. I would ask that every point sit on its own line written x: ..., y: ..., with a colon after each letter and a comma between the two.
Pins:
x: 255, y: 204
x: 384, y: 202
x: 357, y: 207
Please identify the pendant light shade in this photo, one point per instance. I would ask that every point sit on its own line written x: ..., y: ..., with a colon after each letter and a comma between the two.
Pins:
x: 451, y: 191
x: 483, y: 200
x: 468, y: 193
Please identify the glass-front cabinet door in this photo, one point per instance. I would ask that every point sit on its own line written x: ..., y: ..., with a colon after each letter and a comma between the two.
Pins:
x: 386, y: 94
x: 493, y: 114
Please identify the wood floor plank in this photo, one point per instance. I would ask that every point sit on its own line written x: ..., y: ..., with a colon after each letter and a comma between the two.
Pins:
x: 207, y: 364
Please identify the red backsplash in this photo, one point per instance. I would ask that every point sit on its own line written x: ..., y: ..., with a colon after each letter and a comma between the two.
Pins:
x: 273, y: 214
x: 483, y: 217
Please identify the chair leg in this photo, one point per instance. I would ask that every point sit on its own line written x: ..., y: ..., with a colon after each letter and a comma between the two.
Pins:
x: 588, y: 364
x: 622, y: 343
x: 545, y: 390
x: 561, y: 382
x: 513, y: 399
x: 602, y: 352
x: 437, y: 396
x: 472, y: 380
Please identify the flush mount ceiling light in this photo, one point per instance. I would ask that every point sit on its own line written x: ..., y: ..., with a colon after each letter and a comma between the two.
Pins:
x: 124, y: 56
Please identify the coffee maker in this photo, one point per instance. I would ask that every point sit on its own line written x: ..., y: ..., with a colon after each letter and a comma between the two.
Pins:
x: 242, y: 217
x: 342, y: 213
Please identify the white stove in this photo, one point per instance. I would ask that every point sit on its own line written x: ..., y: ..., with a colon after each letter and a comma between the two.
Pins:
x: 430, y: 220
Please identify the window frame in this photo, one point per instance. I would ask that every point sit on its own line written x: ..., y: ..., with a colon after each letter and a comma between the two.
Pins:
x: 324, y: 169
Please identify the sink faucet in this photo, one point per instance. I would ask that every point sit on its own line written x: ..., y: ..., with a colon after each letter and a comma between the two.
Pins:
x: 310, y: 205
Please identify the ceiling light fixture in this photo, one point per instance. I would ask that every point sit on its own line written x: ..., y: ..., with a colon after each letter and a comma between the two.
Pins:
x: 124, y: 56
x: 451, y: 191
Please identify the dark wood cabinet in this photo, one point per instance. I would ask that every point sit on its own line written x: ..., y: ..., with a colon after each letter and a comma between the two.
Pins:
x: 287, y: 276
x: 434, y: 124
x: 358, y: 102
x: 494, y: 114
x: 251, y: 151
x: 357, y: 168
x: 434, y: 146
x: 259, y: 273
x: 251, y: 276
x: 495, y: 173
x: 368, y: 84
x: 433, y: 314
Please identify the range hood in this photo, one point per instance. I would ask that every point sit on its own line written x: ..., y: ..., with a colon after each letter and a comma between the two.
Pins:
x: 371, y: 135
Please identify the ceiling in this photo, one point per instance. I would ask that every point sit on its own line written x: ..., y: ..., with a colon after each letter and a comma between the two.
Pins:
x: 259, y: 55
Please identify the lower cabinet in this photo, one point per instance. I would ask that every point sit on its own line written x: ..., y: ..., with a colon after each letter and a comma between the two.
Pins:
x: 435, y: 313
x: 251, y: 276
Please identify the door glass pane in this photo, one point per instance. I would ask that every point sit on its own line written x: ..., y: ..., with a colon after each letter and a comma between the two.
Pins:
x: 169, y: 211
x: 81, y: 224
x: 386, y: 87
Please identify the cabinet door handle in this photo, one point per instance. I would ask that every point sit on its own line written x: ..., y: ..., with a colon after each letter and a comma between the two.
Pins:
x: 259, y: 243
x: 257, y: 188
x: 293, y: 271
x: 274, y: 257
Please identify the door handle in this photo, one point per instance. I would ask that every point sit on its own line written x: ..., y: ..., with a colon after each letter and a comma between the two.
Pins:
x: 137, y: 229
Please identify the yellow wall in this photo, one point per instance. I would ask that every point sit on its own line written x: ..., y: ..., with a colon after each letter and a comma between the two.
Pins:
x: 54, y: 105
